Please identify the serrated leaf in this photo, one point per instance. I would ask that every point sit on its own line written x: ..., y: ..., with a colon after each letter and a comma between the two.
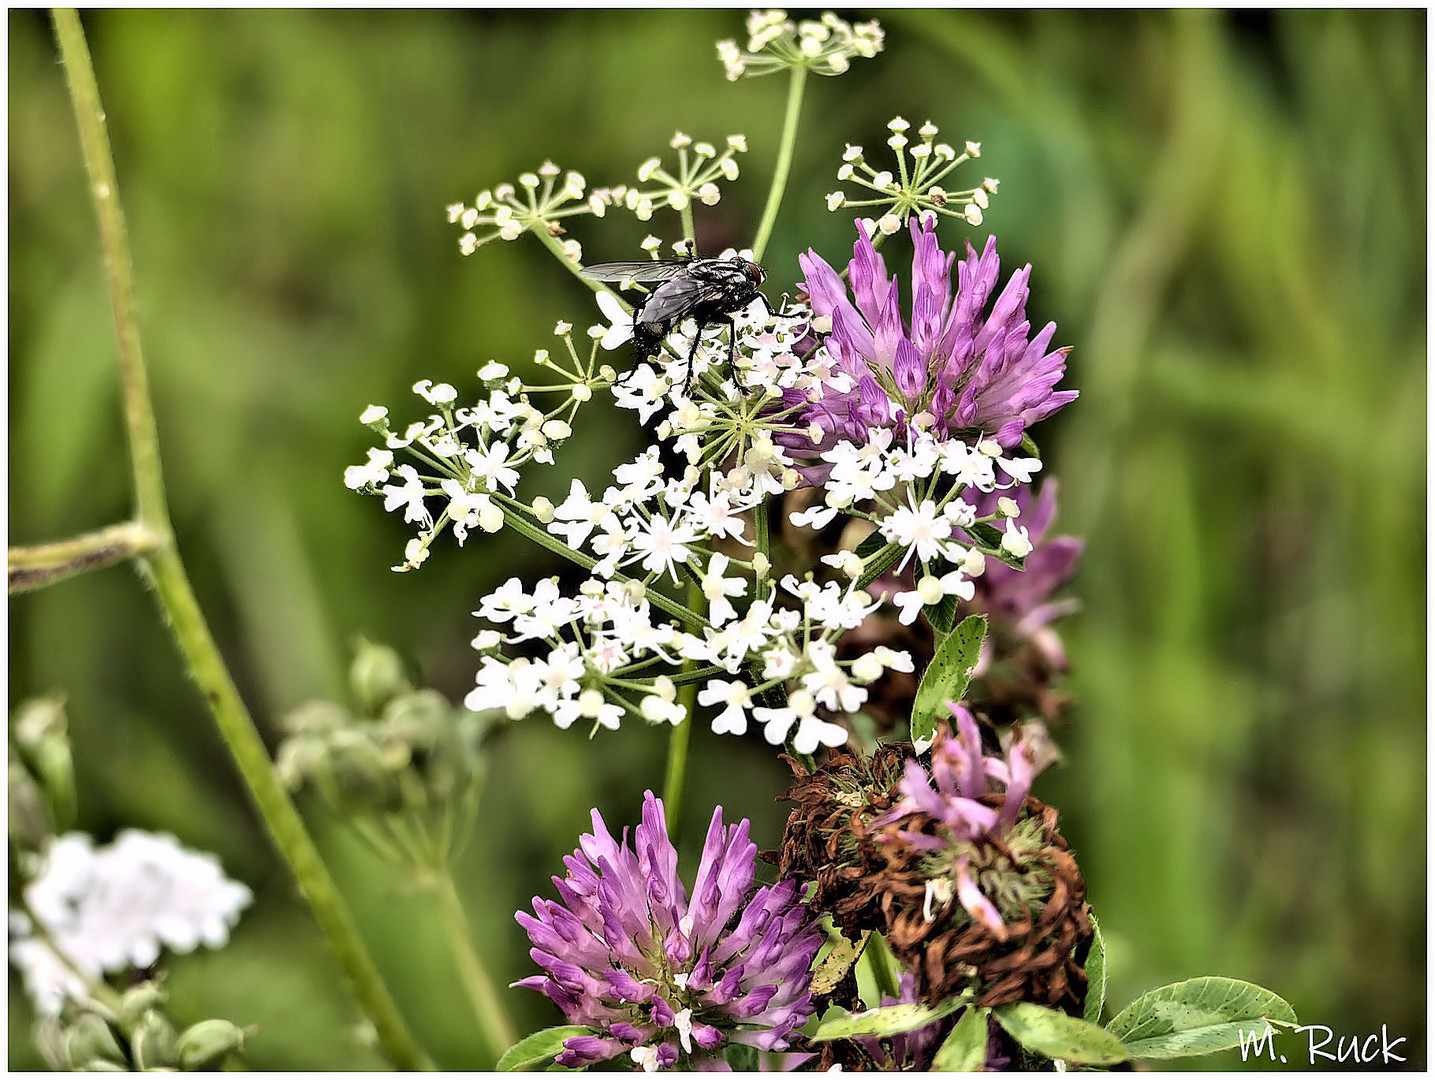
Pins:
x: 965, y: 1049
x: 888, y: 1020
x: 1058, y: 1036
x: 1095, y: 974
x: 539, y: 1048
x: 834, y: 967
x: 947, y: 675
x: 1198, y: 1016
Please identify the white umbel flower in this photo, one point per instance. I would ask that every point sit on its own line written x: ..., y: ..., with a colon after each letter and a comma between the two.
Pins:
x: 107, y: 909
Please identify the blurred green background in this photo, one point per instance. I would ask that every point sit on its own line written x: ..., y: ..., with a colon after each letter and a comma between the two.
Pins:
x: 1226, y: 216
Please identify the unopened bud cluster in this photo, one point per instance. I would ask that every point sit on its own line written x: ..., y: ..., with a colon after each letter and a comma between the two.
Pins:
x: 41, y: 774
x: 135, y: 1036
x: 539, y: 201
x: 916, y: 186
x: 824, y: 46
x: 405, y: 755
x: 700, y: 166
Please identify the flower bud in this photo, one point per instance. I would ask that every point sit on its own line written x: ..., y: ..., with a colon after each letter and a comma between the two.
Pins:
x: 867, y: 668
x: 89, y: 1039
x: 41, y: 735
x: 205, y: 1045
x: 30, y: 821
x: 377, y: 676
x: 152, y: 1042
x: 543, y: 509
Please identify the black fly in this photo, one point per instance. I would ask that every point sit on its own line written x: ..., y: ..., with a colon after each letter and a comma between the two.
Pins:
x: 710, y: 291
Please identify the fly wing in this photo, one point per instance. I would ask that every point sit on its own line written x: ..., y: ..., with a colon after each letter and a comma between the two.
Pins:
x: 676, y: 298
x: 642, y: 270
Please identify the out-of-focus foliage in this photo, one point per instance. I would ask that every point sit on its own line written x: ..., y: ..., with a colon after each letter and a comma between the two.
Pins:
x: 1226, y: 215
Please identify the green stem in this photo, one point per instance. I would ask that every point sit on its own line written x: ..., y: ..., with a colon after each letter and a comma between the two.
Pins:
x: 878, y: 563
x: 37, y: 565
x: 784, y: 162
x: 553, y: 244
x: 482, y: 992
x: 175, y: 596
x: 682, y: 734
x: 760, y: 527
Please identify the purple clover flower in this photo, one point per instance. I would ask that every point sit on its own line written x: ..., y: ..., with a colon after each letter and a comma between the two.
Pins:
x: 663, y: 977
x: 962, y: 803
x: 949, y: 368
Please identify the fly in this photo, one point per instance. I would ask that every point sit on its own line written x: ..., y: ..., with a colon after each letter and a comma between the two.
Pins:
x: 709, y: 291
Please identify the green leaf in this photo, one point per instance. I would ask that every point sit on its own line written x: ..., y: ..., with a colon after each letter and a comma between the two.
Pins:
x: 872, y: 543
x: 888, y: 1020
x: 1028, y: 444
x: 540, y: 1047
x: 989, y: 540
x: 1199, y: 1016
x: 1095, y: 974
x: 838, y: 962
x: 947, y: 675
x: 1059, y: 1036
x: 942, y: 615
x: 965, y: 1049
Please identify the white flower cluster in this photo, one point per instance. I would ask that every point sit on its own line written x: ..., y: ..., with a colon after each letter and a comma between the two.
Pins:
x: 107, y: 909
x: 911, y: 490
x: 471, y: 455
x: 824, y: 46
x: 725, y: 414
x: 599, y: 644
x: 916, y: 187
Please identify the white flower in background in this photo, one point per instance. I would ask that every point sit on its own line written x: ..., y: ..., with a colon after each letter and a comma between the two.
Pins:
x: 111, y: 908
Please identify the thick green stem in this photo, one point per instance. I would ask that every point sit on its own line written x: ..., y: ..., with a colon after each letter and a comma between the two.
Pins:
x: 176, y: 598
x: 784, y: 162
x: 683, y: 733
x: 482, y: 993
x: 36, y: 566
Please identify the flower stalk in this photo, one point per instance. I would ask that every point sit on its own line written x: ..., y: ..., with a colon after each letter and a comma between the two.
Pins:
x: 171, y: 584
x: 798, y: 78
x: 35, y: 566
x: 682, y: 732
x: 482, y: 993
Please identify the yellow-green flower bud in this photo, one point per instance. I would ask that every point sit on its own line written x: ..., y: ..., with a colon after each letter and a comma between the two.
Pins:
x: 152, y: 1042
x: 42, y: 736
x: 206, y: 1044
x: 90, y: 1039
x: 377, y: 676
